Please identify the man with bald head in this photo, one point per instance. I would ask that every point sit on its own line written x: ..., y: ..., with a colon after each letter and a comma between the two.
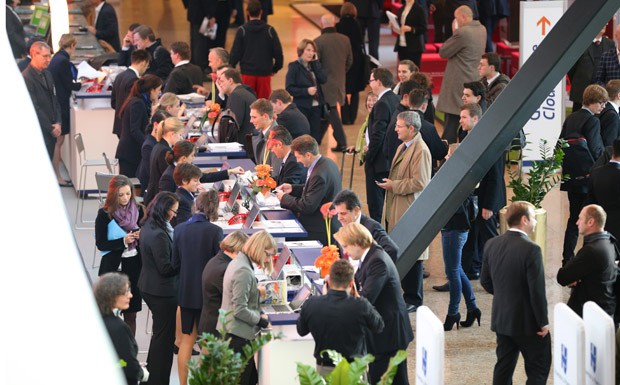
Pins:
x: 335, y: 68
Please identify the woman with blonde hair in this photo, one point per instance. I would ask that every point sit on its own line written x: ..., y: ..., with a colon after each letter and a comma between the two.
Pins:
x: 170, y: 104
x: 240, y: 296
x: 169, y: 132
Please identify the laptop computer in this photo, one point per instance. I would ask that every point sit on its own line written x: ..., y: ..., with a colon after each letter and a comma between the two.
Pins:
x: 232, y: 198
x: 294, y: 306
x: 251, y: 217
x: 284, y: 256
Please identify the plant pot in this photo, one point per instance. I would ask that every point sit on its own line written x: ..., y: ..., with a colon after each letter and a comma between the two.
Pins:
x: 540, y: 233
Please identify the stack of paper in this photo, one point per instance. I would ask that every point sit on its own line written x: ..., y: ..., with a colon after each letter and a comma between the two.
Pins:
x: 224, y: 147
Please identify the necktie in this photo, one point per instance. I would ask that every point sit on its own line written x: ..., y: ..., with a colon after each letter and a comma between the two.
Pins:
x: 402, y: 151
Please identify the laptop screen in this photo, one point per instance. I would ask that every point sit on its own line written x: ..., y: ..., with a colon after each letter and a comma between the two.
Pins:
x: 285, y: 254
x: 302, y: 295
x: 232, y: 198
x: 251, y: 217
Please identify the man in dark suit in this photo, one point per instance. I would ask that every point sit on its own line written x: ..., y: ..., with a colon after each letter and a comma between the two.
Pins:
x: 337, y: 319
x: 610, y: 121
x: 124, y: 81
x: 578, y: 126
x: 15, y: 30
x: 377, y: 280
x: 106, y: 24
x: 291, y: 171
x: 369, y: 16
x: 323, y: 182
x: 604, y: 190
x: 185, y: 75
x: 238, y: 100
x: 513, y: 272
x: 591, y: 275
x: 40, y: 85
x: 144, y: 38
x: 349, y: 210
x: 491, y: 194
x: 287, y: 113
x: 584, y: 69
x: 211, y: 12
x: 261, y: 116
x: 376, y: 166
x: 609, y: 65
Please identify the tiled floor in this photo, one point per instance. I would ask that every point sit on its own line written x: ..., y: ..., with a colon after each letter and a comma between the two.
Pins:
x: 470, y: 353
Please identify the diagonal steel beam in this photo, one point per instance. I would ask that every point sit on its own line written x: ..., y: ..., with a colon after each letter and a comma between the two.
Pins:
x: 544, y: 69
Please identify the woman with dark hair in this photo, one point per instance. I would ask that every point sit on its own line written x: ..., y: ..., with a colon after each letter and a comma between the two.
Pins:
x: 426, y: 83
x: 150, y: 141
x: 113, y: 295
x: 412, y: 26
x: 168, y: 134
x: 158, y: 283
x: 117, y: 235
x: 195, y: 243
x: 135, y: 114
x: 65, y: 76
x: 356, y: 80
x: 303, y: 78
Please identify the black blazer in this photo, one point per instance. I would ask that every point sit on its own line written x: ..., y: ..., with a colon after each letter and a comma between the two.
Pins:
x: 368, y: 8
x: 583, y: 123
x: 306, y: 200
x: 292, y: 171
x: 604, y: 190
x: 239, y: 102
x: 186, y: 202
x: 583, y: 71
x: 64, y: 80
x: 158, y: 276
x: 120, y: 91
x: 160, y: 65
x: 377, y: 280
x: 135, y: 118
x: 336, y: 321
x: 492, y: 189
x: 610, y: 125
x: 183, y: 77
x: 157, y: 166
x: 391, y: 142
x: 44, y: 100
x: 166, y: 182
x: 512, y: 271
x: 594, y: 270
x: 143, y: 172
x: 416, y: 19
x: 294, y: 121
x: 378, y: 121
x: 355, y: 80
x: 380, y: 236
x: 107, y: 26
x: 212, y: 289
x: 299, y: 79
x: 125, y: 346
x: 15, y: 31
x: 194, y: 243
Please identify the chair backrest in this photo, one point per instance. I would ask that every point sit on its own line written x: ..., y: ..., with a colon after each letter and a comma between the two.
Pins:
x: 103, y: 182
x: 107, y: 163
x: 79, y: 143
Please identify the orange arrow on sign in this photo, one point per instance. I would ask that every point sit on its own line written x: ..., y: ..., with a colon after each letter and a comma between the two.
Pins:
x: 544, y: 21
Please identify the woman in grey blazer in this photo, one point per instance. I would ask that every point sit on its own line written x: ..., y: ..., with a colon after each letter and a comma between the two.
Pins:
x: 241, y: 296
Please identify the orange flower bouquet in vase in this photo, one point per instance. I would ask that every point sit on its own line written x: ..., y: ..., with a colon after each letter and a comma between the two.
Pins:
x: 329, y: 253
x: 213, y: 109
x: 264, y: 182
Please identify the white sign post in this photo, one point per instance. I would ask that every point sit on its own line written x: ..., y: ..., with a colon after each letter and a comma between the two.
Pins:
x: 600, y: 345
x: 537, y: 19
x: 568, y: 351
x: 430, y: 349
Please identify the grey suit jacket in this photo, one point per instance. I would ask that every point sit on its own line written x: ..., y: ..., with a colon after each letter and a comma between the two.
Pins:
x: 240, y: 295
x: 43, y: 95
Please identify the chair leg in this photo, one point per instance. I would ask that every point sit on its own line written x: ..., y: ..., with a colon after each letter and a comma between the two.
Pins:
x: 79, y: 213
x: 95, y: 258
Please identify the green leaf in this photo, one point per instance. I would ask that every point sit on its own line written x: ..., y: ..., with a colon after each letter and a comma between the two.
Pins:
x: 340, y: 374
x: 358, y: 367
x: 388, y: 376
x: 308, y: 375
x: 333, y: 355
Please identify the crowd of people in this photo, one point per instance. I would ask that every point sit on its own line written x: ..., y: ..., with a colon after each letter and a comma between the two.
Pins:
x: 169, y: 253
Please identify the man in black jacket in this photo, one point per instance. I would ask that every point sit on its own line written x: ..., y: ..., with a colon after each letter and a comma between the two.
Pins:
x: 610, y: 120
x: 121, y: 87
x: 144, y: 38
x: 592, y: 272
x: 206, y: 13
x: 238, y: 99
x: 258, y: 51
x: 106, y: 24
x: 337, y: 319
x: 185, y: 75
x: 604, y: 190
x: 287, y: 113
x: 291, y: 171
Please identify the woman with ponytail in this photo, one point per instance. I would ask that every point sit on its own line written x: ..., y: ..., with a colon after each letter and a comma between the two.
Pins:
x: 144, y: 169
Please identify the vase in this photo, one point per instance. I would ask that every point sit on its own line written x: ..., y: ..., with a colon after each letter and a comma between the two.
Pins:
x: 540, y: 232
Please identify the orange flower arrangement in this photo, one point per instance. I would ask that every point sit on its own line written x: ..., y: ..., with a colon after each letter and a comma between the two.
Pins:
x: 211, y: 114
x: 263, y: 182
x: 329, y: 253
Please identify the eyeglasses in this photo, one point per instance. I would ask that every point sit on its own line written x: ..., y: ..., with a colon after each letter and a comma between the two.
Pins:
x: 128, y: 291
x: 270, y: 254
x: 174, y: 211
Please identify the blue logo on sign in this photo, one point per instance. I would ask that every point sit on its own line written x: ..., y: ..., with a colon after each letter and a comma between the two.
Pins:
x: 424, y: 360
x: 593, y: 357
x: 564, y: 351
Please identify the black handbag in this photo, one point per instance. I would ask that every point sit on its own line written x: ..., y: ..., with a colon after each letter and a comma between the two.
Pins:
x: 471, y: 207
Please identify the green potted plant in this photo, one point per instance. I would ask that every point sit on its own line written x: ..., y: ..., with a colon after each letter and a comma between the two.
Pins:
x: 218, y: 363
x: 543, y: 176
x: 346, y: 373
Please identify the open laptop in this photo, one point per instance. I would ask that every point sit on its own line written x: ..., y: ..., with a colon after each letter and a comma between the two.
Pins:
x: 251, y: 217
x: 232, y: 198
x: 284, y: 256
x: 294, y: 306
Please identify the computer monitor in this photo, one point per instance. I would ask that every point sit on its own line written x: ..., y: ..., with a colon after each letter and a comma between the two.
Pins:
x: 232, y: 198
x: 284, y: 256
x: 251, y: 217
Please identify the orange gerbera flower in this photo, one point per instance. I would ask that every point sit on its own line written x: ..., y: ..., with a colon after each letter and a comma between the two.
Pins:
x: 329, y: 255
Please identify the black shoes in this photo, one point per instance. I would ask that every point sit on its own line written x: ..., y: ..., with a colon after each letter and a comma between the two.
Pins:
x: 473, y: 276
x: 340, y: 149
x: 444, y: 287
x: 425, y: 274
x: 471, y: 316
x: 194, y: 351
x: 451, y: 320
x: 411, y: 308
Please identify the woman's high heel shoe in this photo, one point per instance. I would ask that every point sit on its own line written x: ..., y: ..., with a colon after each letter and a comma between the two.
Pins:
x: 471, y: 316
x: 451, y: 320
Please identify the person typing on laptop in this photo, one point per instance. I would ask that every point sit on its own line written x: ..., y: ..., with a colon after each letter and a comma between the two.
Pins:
x: 338, y: 319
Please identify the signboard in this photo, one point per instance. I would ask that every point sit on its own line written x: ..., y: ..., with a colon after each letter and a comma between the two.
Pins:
x: 600, y: 345
x: 568, y: 350
x: 39, y: 11
x: 537, y: 19
x: 430, y: 350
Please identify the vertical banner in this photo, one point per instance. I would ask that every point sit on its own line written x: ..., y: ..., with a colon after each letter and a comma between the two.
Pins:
x: 430, y: 349
x: 600, y: 345
x: 568, y: 350
x: 537, y: 19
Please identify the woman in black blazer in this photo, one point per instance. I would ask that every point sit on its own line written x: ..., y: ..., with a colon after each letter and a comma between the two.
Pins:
x: 303, y: 78
x: 113, y: 294
x: 150, y: 141
x: 135, y: 114
x: 117, y: 235
x: 195, y: 242
x: 187, y: 177
x: 65, y: 75
x: 158, y: 283
x: 410, y: 42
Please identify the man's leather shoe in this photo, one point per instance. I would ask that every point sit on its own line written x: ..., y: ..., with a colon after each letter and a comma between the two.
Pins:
x: 444, y: 287
x: 473, y: 276
x: 411, y: 308
x: 425, y: 274
x: 340, y: 149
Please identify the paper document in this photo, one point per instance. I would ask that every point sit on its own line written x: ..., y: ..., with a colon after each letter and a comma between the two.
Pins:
x: 304, y: 244
x: 86, y: 71
x: 284, y: 223
x: 393, y: 21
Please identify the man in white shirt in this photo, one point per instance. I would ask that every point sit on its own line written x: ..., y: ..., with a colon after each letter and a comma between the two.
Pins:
x: 610, y: 121
x: 290, y: 171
